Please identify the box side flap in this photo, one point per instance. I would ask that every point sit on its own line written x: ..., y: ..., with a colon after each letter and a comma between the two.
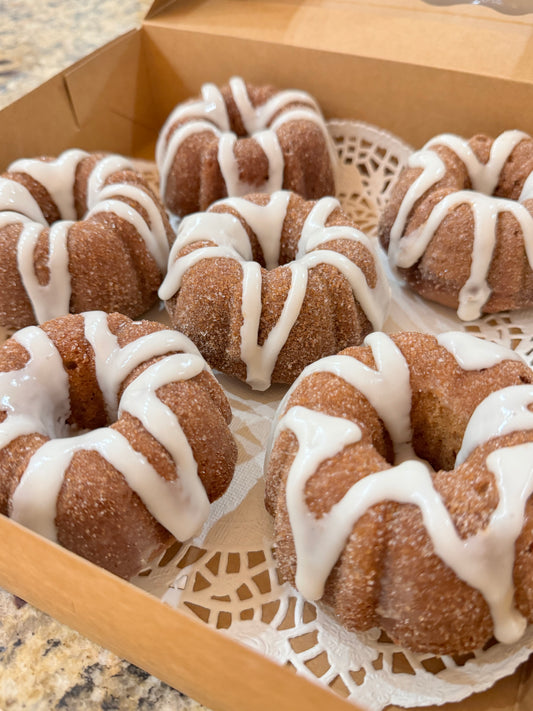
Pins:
x: 460, y: 38
x: 38, y: 123
x: 92, y: 80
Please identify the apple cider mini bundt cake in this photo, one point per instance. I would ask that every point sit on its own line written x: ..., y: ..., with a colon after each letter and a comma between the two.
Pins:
x: 82, y: 232
x: 266, y: 284
x: 400, y: 477
x: 114, y: 436
x: 242, y: 139
x: 459, y: 224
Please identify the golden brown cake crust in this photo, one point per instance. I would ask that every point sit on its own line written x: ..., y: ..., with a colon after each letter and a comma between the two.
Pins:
x: 208, y: 305
x: 98, y: 515
x: 445, y: 266
x: 194, y: 173
x: 110, y: 266
x: 388, y: 574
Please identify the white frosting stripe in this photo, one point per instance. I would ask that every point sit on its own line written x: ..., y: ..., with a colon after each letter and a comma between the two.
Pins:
x: 473, y: 353
x: 308, y: 114
x: 210, y: 111
x: 502, y: 412
x: 177, y: 138
x: 186, y: 493
x: 387, y: 387
x: 483, y: 176
x: 154, y: 233
x: 39, y: 401
x: 113, y: 364
x: 260, y: 360
x: 57, y: 176
x: 229, y: 166
x: 36, y: 394
x: 513, y: 471
x: 103, y: 169
x: 15, y: 199
x: 405, y: 251
x: 527, y: 190
x: 485, y: 561
x: 172, y: 282
x: 127, y: 213
x: 318, y: 542
x: 52, y: 298
x: 17, y: 206
x: 34, y: 500
x: 267, y: 222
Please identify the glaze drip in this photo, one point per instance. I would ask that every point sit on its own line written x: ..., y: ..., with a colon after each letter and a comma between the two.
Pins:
x: 472, y: 353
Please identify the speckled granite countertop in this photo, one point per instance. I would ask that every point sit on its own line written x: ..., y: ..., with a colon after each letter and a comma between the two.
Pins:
x: 45, y: 665
x: 29, y: 56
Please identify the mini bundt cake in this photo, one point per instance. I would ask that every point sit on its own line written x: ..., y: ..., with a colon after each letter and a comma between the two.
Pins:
x: 241, y: 139
x: 114, y: 436
x: 400, y: 478
x: 82, y: 232
x: 265, y: 284
x: 459, y: 224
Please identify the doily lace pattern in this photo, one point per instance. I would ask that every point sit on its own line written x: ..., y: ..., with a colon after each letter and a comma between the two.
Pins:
x: 227, y: 576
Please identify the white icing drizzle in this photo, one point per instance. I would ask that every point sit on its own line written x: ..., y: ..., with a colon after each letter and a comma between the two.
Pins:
x: 209, y: 113
x: 186, y: 494
x: 35, y: 401
x: 52, y: 298
x: 17, y: 203
x: 405, y: 251
x: 104, y: 168
x: 113, y: 364
x: 17, y: 206
x: 527, y: 190
x: 164, y: 164
x: 472, y: 353
x: 229, y: 168
x: 485, y: 560
x: 502, y: 412
x: 153, y: 233
x: 57, y: 176
x: 36, y: 398
x: 267, y: 222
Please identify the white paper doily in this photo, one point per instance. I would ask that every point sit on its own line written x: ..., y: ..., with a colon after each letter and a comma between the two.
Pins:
x: 227, y: 575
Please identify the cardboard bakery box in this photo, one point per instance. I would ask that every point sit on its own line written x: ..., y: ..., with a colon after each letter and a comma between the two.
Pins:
x: 411, y: 68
